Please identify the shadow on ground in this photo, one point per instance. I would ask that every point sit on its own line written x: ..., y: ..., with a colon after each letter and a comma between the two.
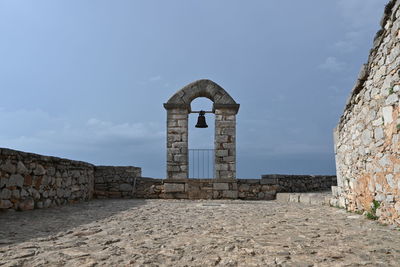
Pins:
x: 17, y: 227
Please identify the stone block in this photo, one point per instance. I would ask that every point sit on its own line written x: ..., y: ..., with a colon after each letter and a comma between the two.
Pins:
x: 316, y: 199
x: 305, y: 198
x: 174, y: 188
x: 21, y: 169
x: 221, y: 153
x: 244, y: 188
x: 5, y: 194
x: 16, y: 180
x: 231, y: 194
x: 5, y: 204
x: 269, y: 181
x: 27, y: 204
x: 221, y: 167
x: 387, y: 113
x: 125, y: 187
x: 282, y: 197
x: 294, y: 198
x: 8, y: 167
x: 221, y: 186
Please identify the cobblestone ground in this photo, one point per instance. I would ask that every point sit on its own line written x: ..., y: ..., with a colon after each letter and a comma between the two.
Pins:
x: 194, y: 233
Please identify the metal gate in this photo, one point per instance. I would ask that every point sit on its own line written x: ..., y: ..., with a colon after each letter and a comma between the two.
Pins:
x: 201, y: 163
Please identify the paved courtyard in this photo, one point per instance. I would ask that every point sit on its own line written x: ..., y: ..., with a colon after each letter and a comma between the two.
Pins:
x: 194, y: 233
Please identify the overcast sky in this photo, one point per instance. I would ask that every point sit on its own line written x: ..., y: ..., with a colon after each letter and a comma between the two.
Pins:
x: 86, y: 80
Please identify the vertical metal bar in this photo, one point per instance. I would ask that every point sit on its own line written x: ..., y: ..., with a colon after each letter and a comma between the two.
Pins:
x: 208, y: 164
x: 203, y: 162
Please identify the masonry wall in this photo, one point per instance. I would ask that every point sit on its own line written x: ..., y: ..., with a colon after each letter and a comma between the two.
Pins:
x: 367, y: 137
x: 300, y: 183
x: 225, y: 143
x: 177, y: 143
x: 246, y: 189
x: 116, y: 182
x: 29, y: 181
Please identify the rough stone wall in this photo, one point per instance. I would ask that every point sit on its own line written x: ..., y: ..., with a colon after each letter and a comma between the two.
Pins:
x: 246, y: 189
x: 116, y: 182
x: 177, y: 143
x: 148, y: 188
x: 225, y: 143
x: 300, y: 183
x: 367, y: 137
x: 29, y: 181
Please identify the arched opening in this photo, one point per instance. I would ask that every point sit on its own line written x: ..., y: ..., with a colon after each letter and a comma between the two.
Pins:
x: 179, y: 108
x: 201, y: 141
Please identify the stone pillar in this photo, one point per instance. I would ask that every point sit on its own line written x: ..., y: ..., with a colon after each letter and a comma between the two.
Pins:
x: 225, y: 143
x: 177, y: 143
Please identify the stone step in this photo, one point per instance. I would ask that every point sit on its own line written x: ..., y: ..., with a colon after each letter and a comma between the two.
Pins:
x: 317, y: 198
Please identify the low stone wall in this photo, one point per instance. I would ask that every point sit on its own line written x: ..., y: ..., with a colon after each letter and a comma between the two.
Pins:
x: 246, y: 189
x: 29, y: 181
x: 300, y: 183
x: 256, y: 189
x: 116, y: 182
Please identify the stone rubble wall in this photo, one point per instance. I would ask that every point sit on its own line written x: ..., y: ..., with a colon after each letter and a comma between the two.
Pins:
x: 29, y: 181
x: 367, y: 137
x: 246, y: 189
x: 116, y: 182
x: 300, y: 183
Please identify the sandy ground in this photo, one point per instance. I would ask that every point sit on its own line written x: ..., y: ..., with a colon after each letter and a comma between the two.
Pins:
x: 194, y: 233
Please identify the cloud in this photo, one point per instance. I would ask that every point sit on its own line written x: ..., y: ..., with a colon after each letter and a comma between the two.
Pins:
x: 361, y: 18
x: 39, y: 132
x: 332, y: 64
x: 358, y: 13
x: 351, y: 41
x: 155, y: 78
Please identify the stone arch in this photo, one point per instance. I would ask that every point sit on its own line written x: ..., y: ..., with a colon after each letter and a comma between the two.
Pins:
x: 201, y: 88
x: 225, y: 109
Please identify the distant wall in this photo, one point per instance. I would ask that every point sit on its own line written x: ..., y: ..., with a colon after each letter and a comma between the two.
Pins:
x: 125, y: 182
x: 300, y: 183
x: 246, y: 189
x: 115, y: 182
x: 29, y: 181
x: 367, y: 137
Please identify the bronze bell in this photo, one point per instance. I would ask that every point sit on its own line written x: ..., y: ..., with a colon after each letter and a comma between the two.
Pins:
x: 201, y: 120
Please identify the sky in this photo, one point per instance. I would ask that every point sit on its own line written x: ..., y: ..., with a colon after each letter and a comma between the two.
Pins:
x: 86, y: 80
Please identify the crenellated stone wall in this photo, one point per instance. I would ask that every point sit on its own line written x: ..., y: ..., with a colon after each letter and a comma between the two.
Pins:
x: 367, y: 137
x: 29, y: 181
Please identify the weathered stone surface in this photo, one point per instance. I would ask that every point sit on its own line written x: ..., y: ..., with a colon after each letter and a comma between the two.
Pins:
x: 8, y: 167
x: 5, y: 194
x: 245, y: 234
x: 231, y: 194
x: 16, y: 180
x: 366, y: 162
x: 23, y: 181
x: 27, y: 204
x: 173, y: 188
x: 221, y: 186
x: 21, y: 169
x: 126, y: 187
x: 5, y: 204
